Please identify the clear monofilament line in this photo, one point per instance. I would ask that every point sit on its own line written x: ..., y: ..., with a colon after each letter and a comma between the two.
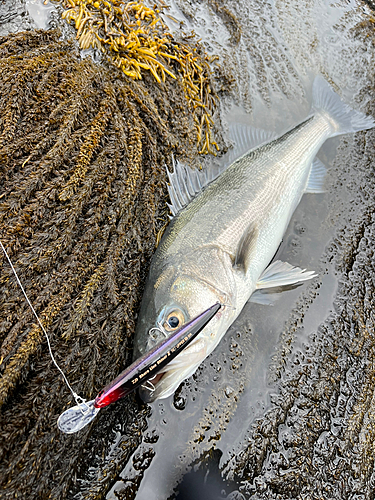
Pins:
x: 77, y: 398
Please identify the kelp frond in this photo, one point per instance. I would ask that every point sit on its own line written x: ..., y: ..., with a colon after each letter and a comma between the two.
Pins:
x: 134, y: 38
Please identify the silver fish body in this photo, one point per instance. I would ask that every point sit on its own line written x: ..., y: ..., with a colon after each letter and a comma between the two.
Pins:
x: 218, y: 246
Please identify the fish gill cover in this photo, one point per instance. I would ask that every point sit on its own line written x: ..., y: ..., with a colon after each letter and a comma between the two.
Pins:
x: 82, y: 198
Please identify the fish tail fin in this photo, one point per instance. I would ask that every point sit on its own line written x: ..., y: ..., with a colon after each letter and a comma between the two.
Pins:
x: 343, y: 118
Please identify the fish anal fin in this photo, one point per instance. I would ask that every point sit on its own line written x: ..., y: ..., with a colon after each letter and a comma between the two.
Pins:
x: 315, y: 183
x: 281, y: 274
x: 245, y: 247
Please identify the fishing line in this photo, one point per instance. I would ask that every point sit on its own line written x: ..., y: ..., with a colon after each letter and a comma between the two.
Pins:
x: 80, y: 401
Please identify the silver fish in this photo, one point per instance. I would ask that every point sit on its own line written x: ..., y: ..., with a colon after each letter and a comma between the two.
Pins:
x: 218, y: 247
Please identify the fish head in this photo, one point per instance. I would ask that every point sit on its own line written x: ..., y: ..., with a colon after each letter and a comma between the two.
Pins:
x: 170, y: 301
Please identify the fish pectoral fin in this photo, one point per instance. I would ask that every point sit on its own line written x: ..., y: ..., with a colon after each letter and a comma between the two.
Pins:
x: 315, y: 183
x: 281, y: 274
x: 245, y: 247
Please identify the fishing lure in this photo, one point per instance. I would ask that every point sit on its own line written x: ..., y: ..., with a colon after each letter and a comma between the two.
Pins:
x: 142, y: 371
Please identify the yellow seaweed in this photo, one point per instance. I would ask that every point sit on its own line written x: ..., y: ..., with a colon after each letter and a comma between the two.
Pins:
x: 135, y: 39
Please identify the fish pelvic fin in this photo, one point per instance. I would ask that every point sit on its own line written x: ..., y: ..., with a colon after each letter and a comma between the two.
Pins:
x: 264, y: 298
x: 275, y: 279
x: 345, y: 119
x: 315, y: 183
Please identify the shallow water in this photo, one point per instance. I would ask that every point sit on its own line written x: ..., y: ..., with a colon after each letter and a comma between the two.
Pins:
x: 270, y: 52
x: 40, y: 12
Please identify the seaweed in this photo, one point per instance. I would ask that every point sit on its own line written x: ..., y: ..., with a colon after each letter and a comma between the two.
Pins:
x: 135, y: 38
x: 82, y: 199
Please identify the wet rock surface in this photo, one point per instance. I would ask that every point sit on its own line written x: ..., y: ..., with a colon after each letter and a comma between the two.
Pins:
x: 285, y: 407
x: 316, y: 440
x: 14, y: 17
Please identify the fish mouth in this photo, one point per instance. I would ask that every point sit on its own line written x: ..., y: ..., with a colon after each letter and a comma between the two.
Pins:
x: 164, y: 383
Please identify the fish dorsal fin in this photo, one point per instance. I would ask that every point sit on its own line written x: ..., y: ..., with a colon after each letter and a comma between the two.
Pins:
x: 245, y: 139
x: 315, y: 183
x: 245, y: 246
x: 185, y: 183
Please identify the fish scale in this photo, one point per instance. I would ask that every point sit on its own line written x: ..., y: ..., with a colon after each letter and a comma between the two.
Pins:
x: 266, y: 179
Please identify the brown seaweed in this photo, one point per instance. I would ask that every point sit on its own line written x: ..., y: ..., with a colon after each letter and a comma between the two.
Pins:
x: 134, y: 38
x: 82, y: 198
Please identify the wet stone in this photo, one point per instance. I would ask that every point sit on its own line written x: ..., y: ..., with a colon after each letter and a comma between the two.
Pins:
x: 179, y: 403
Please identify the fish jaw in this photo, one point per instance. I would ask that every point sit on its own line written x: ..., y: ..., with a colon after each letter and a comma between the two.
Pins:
x: 189, y: 285
x: 186, y: 363
x: 166, y: 382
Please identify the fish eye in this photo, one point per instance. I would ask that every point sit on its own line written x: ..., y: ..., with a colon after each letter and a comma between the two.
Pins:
x: 174, y: 320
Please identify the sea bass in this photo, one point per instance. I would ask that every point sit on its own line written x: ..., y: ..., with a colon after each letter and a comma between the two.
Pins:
x: 218, y: 248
